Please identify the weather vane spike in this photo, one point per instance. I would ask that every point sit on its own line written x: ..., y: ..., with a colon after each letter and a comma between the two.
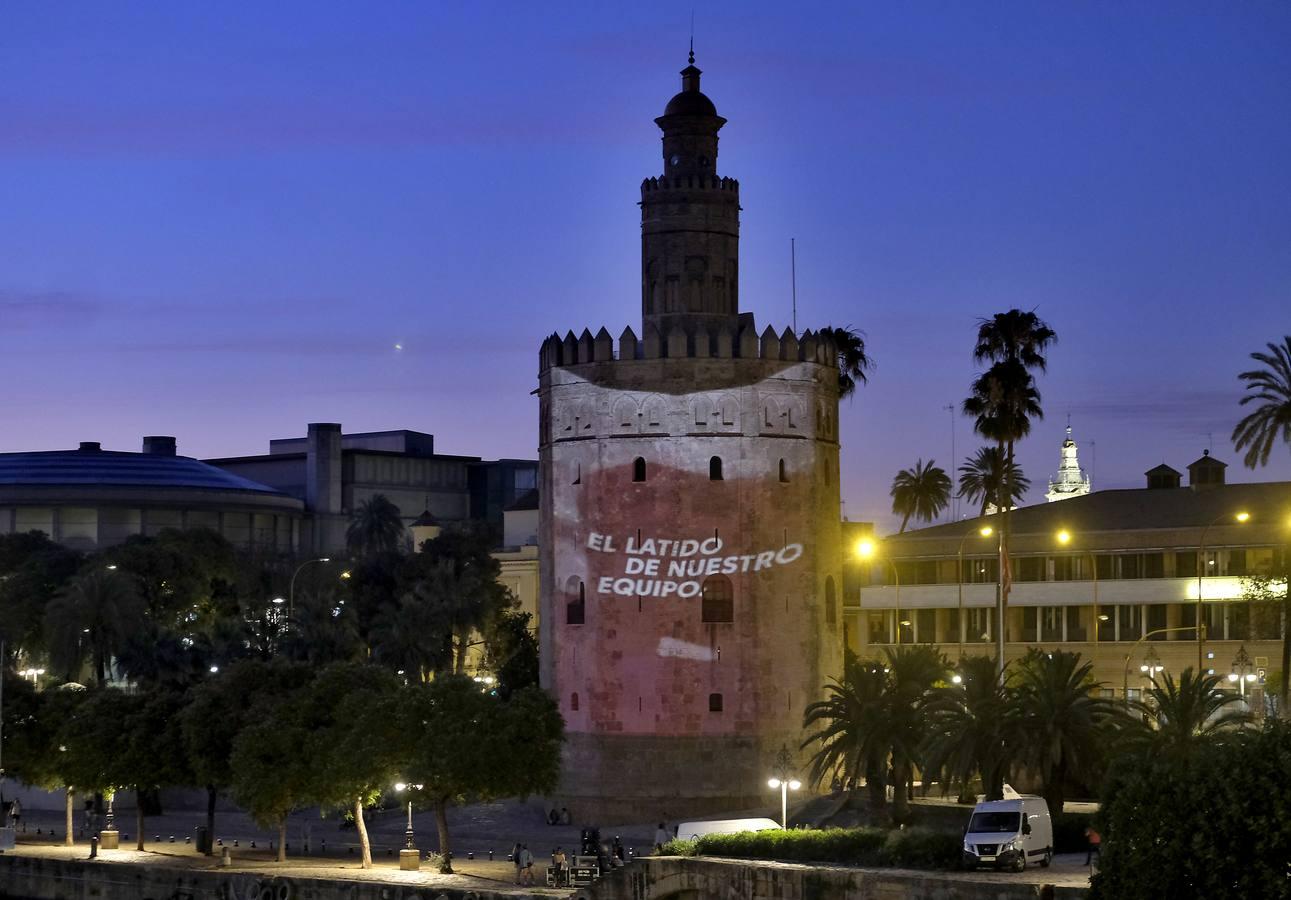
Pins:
x: 692, y: 36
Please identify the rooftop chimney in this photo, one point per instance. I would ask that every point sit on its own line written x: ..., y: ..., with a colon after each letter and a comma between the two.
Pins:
x: 159, y: 445
x: 90, y: 447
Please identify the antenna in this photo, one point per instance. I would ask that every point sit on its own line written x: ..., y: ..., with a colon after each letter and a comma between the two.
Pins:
x: 692, y: 35
x: 954, y: 495
x: 793, y: 281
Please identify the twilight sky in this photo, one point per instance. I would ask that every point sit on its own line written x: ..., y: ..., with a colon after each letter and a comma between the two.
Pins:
x: 218, y: 220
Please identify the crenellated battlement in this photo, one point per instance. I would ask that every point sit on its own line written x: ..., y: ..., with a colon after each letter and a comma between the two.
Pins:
x: 700, y: 342
x: 690, y: 183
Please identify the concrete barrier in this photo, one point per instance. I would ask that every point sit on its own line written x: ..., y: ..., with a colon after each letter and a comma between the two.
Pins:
x: 683, y: 878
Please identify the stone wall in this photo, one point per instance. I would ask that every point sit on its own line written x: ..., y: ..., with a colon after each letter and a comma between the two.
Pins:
x: 676, y: 878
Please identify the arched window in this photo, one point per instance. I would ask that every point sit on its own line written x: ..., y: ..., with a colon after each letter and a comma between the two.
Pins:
x: 715, y: 469
x: 831, y: 601
x: 575, y: 601
x: 718, y: 604
x: 578, y: 473
x: 714, y: 702
x: 784, y: 473
x: 638, y: 469
x: 573, y: 702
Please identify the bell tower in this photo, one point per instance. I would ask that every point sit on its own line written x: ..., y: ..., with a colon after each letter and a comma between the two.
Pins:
x: 690, y: 222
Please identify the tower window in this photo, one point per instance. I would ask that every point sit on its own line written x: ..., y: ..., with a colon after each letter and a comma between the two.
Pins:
x: 576, y: 604
x: 573, y: 702
x: 714, y: 702
x: 578, y: 473
x: 715, y: 469
x: 718, y: 603
x: 784, y: 473
x: 638, y: 469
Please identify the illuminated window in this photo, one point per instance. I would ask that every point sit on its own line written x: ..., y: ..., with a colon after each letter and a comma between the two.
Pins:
x: 718, y: 604
x: 576, y: 601
x: 831, y: 601
x: 638, y: 469
x: 714, y: 702
x: 715, y: 469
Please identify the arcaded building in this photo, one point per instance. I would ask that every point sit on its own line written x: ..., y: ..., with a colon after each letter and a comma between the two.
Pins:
x: 689, y: 515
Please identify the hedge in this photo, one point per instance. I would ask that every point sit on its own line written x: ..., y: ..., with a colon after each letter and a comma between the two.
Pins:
x: 914, y: 848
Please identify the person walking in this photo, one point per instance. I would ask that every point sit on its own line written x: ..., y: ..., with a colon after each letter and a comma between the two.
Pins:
x: 526, y: 865
x: 1094, y: 845
x: 558, y: 861
x: 15, y: 813
x: 515, y: 860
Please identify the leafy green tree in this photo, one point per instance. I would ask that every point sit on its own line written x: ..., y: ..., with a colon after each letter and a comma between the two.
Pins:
x: 854, y: 362
x: 324, y: 629
x: 463, y: 743
x: 984, y: 480
x: 1064, y: 726
x: 1182, y: 715
x: 93, y: 615
x: 43, y: 756
x: 180, y: 574
x: 922, y: 492
x: 409, y: 636
x: 1214, y: 823
x: 151, y: 750
x: 33, y: 569
x: 850, y: 736
x: 913, y: 671
x: 972, y: 728
x: 219, y: 709
x: 1269, y: 389
x: 355, y: 753
x: 1268, y: 594
x: 376, y: 527
x: 95, y: 740
x: 511, y: 652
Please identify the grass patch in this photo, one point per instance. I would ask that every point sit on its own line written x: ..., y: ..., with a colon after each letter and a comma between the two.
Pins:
x: 912, y: 848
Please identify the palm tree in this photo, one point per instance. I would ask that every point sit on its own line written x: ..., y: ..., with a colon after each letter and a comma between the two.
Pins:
x: 94, y: 616
x: 376, y: 527
x: 983, y: 480
x: 1270, y: 389
x: 923, y: 492
x: 851, y: 740
x: 854, y: 364
x: 1063, y: 725
x: 971, y: 729
x: 1185, y: 713
x: 912, y: 672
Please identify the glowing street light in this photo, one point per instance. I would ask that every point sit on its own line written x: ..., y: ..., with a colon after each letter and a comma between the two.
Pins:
x: 785, y: 787
x: 409, y: 857
x: 866, y: 549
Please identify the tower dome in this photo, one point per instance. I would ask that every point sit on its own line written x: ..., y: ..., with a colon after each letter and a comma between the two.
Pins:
x: 1071, y: 480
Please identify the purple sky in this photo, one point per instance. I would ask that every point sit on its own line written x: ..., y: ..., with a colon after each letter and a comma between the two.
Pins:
x: 217, y: 220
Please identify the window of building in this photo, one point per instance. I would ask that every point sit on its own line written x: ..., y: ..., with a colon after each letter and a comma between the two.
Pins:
x: 1131, y: 565
x: 1154, y: 565
x: 1185, y: 564
x: 638, y: 469
x: 578, y: 473
x: 714, y: 702
x: 718, y: 601
x: 784, y: 473
x: 1075, y: 630
x: 575, y: 601
x: 831, y: 601
x: 1051, y: 623
x: 1129, y: 621
x: 879, y: 627
x: 1029, y: 568
x: 925, y: 626
x: 1065, y: 568
x: 715, y: 469
x: 978, y: 627
x: 573, y: 702
x: 1030, y: 615
x: 1156, y: 620
x: 1236, y: 562
x: 952, y: 626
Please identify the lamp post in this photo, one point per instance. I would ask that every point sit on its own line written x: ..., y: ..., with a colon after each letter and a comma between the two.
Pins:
x: 1201, y: 568
x: 984, y: 531
x: 866, y: 549
x: 1125, y: 683
x: 784, y: 782
x: 1064, y: 538
x: 291, y: 590
x: 409, y: 856
x: 1241, y: 673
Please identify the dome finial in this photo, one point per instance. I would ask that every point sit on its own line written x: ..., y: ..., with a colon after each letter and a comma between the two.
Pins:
x: 692, y: 36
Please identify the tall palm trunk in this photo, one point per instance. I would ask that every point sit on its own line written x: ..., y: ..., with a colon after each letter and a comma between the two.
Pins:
x: 138, y: 818
x: 365, y: 846
x: 211, y: 794
x: 877, y: 786
x: 282, y: 839
x: 1003, y: 502
x: 441, y: 825
x: 68, y: 822
x: 900, y: 790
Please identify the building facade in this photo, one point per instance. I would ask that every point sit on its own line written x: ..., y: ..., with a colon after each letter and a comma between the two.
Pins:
x: 1120, y: 576
x: 333, y: 473
x: 690, y: 587
x: 90, y: 498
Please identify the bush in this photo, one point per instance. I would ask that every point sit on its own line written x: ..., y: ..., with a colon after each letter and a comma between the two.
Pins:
x: 1213, y: 823
x: 915, y: 848
x: 1069, y: 832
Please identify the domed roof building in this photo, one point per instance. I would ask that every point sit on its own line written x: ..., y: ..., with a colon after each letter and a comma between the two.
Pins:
x: 90, y: 498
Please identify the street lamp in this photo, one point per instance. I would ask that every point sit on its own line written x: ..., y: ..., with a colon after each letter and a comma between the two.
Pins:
x: 1241, y: 517
x: 291, y: 590
x: 785, y: 787
x: 1064, y: 538
x: 409, y: 856
x: 1125, y: 683
x: 1242, y: 674
x: 866, y: 549
x: 984, y: 531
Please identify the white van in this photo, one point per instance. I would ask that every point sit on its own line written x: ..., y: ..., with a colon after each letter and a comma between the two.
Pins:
x: 1009, y: 833
x: 689, y: 831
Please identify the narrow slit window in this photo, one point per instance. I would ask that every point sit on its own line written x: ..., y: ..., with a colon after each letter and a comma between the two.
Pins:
x: 638, y: 469
x: 715, y: 469
x: 784, y: 473
x: 714, y: 702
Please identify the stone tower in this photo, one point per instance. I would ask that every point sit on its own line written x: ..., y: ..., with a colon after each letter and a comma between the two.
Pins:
x: 1071, y: 480
x: 690, y: 547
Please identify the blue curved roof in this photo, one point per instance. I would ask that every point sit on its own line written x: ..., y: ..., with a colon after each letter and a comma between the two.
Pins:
x: 110, y: 468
